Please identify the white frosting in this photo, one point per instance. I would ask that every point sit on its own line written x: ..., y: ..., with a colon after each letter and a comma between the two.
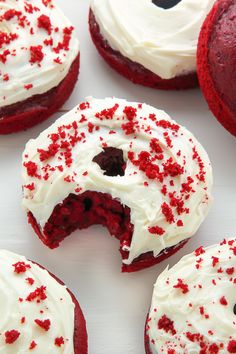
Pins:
x: 43, y: 75
x: 163, y: 41
x: 144, y: 201
x: 206, y: 308
x: 58, y: 307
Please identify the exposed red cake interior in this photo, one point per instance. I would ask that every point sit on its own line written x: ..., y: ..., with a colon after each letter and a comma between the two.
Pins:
x: 25, y: 114
x: 217, y: 62
x: 80, y: 332
x: 134, y: 71
x: 89, y: 208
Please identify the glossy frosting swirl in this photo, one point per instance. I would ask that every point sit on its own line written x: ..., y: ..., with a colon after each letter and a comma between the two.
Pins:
x: 168, y: 176
x: 193, y: 304
x: 19, y: 281
x: 163, y: 41
x: 37, y: 47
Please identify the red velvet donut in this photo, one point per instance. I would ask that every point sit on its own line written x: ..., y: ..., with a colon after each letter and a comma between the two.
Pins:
x: 216, y: 59
x: 39, y: 313
x: 151, y: 43
x: 39, y: 62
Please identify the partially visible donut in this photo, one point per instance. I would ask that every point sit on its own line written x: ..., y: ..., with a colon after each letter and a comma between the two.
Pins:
x: 148, y: 44
x: 39, y: 62
x: 126, y: 166
x: 193, y: 307
x: 38, y: 313
x: 217, y: 62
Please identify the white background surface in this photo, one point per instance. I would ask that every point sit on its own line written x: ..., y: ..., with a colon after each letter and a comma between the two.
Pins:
x: 115, y: 304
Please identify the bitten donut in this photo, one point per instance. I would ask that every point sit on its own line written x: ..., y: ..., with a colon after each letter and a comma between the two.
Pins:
x: 217, y: 62
x: 126, y: 166
x: 148, y: 44
x: 193, y: 307
x: 38, y: 313
x: 39, y: 62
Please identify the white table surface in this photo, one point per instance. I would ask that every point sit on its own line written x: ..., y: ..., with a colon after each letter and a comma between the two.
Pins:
x: 115, y: 304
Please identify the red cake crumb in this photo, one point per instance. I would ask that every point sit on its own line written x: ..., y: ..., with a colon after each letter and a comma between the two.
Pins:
x: 11, y: 336
x: 21, y: 267
x: 166, y: 324
x: 33, y: 345
x: 39, y: 294
x: 183, y: 287
x: 45, y: 324
x: 134, y: 71
x: 59, y: 341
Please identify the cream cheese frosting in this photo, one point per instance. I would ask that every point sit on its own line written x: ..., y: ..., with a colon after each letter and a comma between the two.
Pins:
x: 193, y: 306
x: 163, y: 41
x: 168, y: 176
x: 37, y: 313
x: 37, y: 48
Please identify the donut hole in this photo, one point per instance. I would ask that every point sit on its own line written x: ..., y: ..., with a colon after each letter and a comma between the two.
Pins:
x: 111, y: 161
x: 234, y: 309
x: 166, y: 4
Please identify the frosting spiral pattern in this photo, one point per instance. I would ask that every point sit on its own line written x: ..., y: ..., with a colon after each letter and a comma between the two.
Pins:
x: 37, y: 313
x: 37, y: 48
x: 163, y: 41
x: 167, y: 179
x: 193, y: 306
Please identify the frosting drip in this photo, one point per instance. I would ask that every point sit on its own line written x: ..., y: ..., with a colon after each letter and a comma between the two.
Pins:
x: 193, y: 304
x: 163, y: 41
x: 33, y: 320
x: 167, y: 179
x: 37, y: 48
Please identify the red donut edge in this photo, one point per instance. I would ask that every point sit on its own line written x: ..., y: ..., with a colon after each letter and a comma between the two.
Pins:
x: 28, y: 113
x: 133, y: 71
x: 80, y: 331
x: 215, y: 102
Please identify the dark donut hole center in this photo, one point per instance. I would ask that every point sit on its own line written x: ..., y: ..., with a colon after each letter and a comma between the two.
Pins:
x: 235, y: 309
x: 166, y: 4
x: 111, y: 161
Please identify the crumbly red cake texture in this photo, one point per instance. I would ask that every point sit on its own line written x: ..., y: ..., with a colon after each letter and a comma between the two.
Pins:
x: 90, y: 208
x: 216, y: 61
x: 36, y: 109
x: 80, y: 332
x: 134, y: 71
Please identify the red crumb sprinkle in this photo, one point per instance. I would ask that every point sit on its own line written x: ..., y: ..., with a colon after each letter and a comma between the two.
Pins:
x: 45, y: 324
x: 156, y: 230
x: 36, y: 54
x: 31, y: 168
x: 166, y: 324
x: 45, y: 23
x: 181, y: 285
x: 38, y: 294
x: 28, y: 87
x: 21, y: 267
x: 167, y: 212
x: 223, y: 301
x: 22, y: 320
x: 180, y: 223
x: 232, y: 346
x: 33, y: 344
x: 30, y: 281
x: 199, y: 251
x: 59, y: 341
x: 230, y: 271
x: 215, y: 260
x: 11, y: 336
